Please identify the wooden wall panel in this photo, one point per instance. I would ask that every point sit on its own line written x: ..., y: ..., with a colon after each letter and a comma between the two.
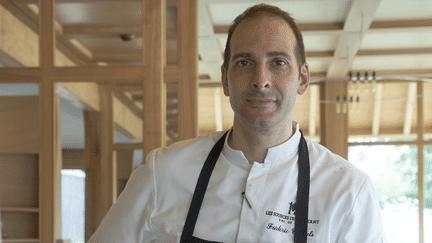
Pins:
x: 21, y: 225
x: 73, y: 159
x: 18, y: 180
x: 19, y: 122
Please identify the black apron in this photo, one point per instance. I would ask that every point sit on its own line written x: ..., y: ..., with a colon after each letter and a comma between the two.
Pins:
x: 302, y: 200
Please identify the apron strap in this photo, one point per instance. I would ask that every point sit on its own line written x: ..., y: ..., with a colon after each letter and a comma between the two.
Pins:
x: 302, y: 200
x: 201, y: 188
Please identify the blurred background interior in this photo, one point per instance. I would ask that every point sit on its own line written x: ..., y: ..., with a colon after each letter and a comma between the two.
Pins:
x: 89, y: 87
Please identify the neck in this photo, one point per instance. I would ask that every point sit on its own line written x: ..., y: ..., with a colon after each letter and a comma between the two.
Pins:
x: 254, y: 143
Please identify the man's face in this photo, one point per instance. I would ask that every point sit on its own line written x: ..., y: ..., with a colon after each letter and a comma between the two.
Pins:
x: 263, y: 74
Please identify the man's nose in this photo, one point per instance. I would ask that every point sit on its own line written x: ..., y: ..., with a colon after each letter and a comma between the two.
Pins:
x: 261, y: 78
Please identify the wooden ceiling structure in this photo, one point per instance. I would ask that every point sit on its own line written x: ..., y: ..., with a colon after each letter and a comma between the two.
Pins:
x: 391, y: 38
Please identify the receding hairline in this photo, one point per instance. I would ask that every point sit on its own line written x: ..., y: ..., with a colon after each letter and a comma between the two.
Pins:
x: 267, y: 15
x: 270, y: 11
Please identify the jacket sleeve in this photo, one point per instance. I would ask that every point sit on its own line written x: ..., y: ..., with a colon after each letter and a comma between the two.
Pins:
x: 128, y: 220
x: 364, y: 224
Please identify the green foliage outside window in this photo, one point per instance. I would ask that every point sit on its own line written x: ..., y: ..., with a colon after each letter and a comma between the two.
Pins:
x: 394, y: 171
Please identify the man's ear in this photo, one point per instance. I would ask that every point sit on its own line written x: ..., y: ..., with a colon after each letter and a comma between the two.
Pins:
x: 225, y: 80
x: 304, y: 79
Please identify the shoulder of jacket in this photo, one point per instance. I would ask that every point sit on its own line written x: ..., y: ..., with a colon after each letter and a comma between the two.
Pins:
x: 202, y: 144
x: 329, y: 160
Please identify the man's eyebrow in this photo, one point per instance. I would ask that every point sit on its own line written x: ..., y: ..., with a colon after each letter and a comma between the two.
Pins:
x: 268, y: 54
x: 244, y: 55
x: 278, y: 53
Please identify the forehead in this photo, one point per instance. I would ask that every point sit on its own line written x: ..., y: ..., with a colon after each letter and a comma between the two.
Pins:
x: 264, y: 32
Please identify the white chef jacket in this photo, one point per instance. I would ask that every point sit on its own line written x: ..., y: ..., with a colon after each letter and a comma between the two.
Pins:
x: 343, y: 206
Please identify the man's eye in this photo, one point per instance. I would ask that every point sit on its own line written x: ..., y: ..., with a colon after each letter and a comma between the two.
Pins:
x: 243, y: 63
x: 279, y: 62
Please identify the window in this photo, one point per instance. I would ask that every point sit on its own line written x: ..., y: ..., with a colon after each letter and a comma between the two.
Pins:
x: 393, y: 170
x: 73, y: 205
x: 427, y: 212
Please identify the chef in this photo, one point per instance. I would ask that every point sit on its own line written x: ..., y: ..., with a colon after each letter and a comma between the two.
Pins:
x: 260, y: 181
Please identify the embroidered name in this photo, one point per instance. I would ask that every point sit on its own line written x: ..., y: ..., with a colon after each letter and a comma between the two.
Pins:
x: 279, y: 228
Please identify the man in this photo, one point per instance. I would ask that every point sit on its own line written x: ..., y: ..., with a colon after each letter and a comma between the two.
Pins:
x: 258, y: 190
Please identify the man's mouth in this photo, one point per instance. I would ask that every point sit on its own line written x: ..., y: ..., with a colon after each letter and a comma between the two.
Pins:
x: 260, y: 101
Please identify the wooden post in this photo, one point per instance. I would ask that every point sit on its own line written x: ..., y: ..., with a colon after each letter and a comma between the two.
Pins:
x: 49, y: 169
x: 92, y: 160
x: 154, y: 44
x: 107, y: 184
x: 334, y: 126
x: 420, y: 175
x: 125, y: 166
x: 188, y: 63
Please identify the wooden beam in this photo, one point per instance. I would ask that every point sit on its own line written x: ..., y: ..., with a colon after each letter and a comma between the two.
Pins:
x: 82, y: 95
x: 333, y: 125
x: 92, y: 163
x: 169, y: 2
x: 49, y: 169
x: 127, y: 146
x: 16, y: 39
x: 401, y: 72
x: 108, y: 177
x: 397, y: 25
x: 15, y: 75
x: 58, y: 164
x: 421, y: 173
x: 129, y: 103
x: 126, y: 120
x: 110, y: 57
x: 188, y: 63
x: 7, y: 60
x: 116, y: 74
x: 357, y: 22
x: 401, y: 51
x: 72, y: 49
x: 153, y: 82
x: 313, y: 110
x: 319, y: 54
x: 377, y: 110
x: 85, y: 31
x: 127, y: 115
x: 409, y: 111
x: 75, y: 52
x: 99, y: 74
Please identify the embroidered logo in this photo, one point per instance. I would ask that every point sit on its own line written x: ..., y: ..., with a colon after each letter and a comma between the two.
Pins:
x: 285, y: 220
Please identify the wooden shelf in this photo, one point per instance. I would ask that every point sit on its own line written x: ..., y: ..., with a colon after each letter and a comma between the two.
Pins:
x: 12, y: 240
x: 19, y: 209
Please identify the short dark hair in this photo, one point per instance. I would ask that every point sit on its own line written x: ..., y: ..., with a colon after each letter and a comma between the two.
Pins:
x: 256, y: 11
